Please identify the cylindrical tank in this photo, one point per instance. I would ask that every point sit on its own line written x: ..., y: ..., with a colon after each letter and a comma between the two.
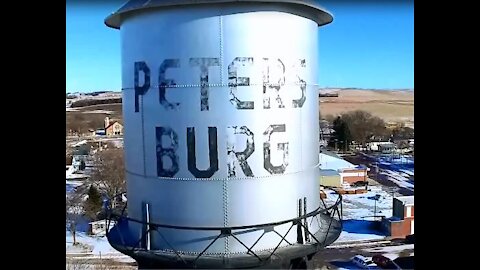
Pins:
x: 220, y: 108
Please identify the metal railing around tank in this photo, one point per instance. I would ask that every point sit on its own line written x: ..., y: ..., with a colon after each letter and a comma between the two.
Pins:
x: 329, y: 213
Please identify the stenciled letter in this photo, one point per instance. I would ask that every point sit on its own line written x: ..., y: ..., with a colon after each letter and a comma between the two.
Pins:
x: 204, y: 63
x: 298, y: 103
x: 141, y: 90
x: 212, y: 153
x: 165, y: 83
x: 267, y: 152
x: 242, y: 156
x: 169, y: 152
x: 234, y: 81
x: 273, y: 79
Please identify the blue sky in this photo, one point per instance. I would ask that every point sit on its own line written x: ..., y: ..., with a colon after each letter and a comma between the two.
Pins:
x: 368, y: 45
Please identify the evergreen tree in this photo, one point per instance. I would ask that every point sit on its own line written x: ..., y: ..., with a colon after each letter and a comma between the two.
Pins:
x: 93, y: 205
x: 341, y: 136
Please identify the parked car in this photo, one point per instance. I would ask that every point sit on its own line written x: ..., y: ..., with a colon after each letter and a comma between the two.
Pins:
x: 384, y: 262
x: 359, y: 184
x: 410, y: 239
x: 364, y: 262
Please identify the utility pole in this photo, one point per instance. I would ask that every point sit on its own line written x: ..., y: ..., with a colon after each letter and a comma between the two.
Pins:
x: 376, y: 198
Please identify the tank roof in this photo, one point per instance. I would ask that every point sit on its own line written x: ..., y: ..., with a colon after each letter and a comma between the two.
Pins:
x: 311, y: 7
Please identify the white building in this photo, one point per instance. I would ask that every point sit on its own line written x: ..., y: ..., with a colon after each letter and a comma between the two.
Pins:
x: 99, y: 227
x: 375, y: 146
x: 349, y: 173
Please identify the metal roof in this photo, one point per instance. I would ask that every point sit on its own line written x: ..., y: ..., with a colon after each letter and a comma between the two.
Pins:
x: 310, y: 7
x: 329, y: 173
x: 406, y: 200
x: 330, y: 153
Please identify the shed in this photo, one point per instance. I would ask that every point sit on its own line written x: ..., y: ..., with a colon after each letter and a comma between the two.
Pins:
x: 330, y: 178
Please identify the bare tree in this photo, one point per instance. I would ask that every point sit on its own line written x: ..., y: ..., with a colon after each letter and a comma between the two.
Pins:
x: 403, y: 144
x: 330, y: 118
x: 109, y: 172
x: 403, y: 132
x: 74, y: 210
x: 363, y: 125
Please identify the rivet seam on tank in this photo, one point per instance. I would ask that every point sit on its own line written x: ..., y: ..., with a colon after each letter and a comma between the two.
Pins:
x: 218, y: 85
x: 220, y: 19
x: 143, y: 138
x: 218, y: 253
x: 225, y: 211
x: 225, y: 181
x: 218, y: 179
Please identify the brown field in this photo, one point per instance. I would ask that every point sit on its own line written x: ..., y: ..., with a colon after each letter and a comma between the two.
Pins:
x: 392, y: 106
x: 92, y: 117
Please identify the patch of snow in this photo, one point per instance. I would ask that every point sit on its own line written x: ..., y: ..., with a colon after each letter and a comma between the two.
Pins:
x: 79, y: 143
x: 70, y: 170
x: 92, y: 244
x: 393, y: 252
x: 390, y: 249
x: 398, y: 179
x: 409, y: 172
x: 358, y: 212
x: 76, y: 176
x: 359, y: 206
x: 99, y: 111
x: 328, y: 162
x: 346, y: 237
x: 74, y: 183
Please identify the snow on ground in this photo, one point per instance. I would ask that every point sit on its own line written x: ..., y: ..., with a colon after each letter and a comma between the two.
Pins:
x: 72, y: 110
x: 346, y: 237
x: 92, y: 245
x: 117, y: 143
x: 77, y: 176
x: 358, y: 212
x: 82, y: 142
x: 74, y: 183
x: 362, y: 206
x: 99, y: 111
x: 403, y: 159
x: 398, y: 179
x: 409, y: 172
x: 88, y: 244
x: 393, y: 252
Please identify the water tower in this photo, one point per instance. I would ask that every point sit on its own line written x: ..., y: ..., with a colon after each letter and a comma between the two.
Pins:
x: 220, y: 107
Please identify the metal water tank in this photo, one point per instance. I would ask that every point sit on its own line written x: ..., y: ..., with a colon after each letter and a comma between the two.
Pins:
x: 220, y: 108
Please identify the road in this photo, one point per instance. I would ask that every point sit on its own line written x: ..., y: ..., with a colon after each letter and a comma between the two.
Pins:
x: 334, y: 258
x: 386, y: 184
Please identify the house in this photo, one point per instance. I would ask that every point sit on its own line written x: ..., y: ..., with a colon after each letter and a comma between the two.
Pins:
x: 352, y: 175
x: 113, y: 128
x: 387, y: 147
x: 348, y: 172
x: 326, y: 132
x: 79, y: 162
x: 99, y: 227
x: 377, y: 145
x: 330, y: 178
x: 401, y: 224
